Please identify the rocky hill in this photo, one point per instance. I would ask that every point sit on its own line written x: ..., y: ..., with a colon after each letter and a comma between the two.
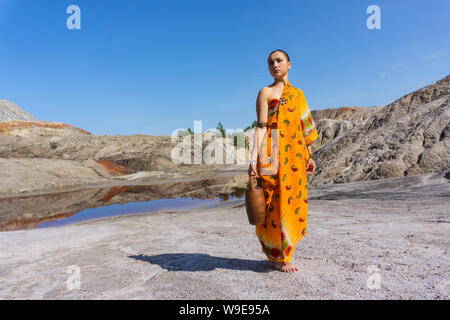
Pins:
x: 10, y: 111
x: 38, y: 157
x: 334, y: 122
x: 406, y: 137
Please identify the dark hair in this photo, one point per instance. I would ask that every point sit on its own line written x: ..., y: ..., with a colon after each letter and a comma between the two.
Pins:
x: 282, y: 51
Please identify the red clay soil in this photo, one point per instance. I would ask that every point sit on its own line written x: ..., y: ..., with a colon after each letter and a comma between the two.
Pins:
x: 113, y: 168
x: 32, y: 223
x: 113, y: 192
x: 7, y: 126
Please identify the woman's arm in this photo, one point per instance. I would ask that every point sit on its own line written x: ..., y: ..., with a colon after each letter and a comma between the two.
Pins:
x: 261, y: 112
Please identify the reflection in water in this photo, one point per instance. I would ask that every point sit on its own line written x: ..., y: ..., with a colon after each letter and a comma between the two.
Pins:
x: 31, y: 223
x: 131, y: 208
x: 236, y: 193
x: 52, y: 210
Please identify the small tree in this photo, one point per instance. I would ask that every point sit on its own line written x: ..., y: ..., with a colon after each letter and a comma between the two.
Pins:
x: 253, y: 125
x: 182, y: 133
x: 221, y: 129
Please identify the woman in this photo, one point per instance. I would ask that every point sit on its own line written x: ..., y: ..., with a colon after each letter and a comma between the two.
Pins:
x: 281, y: 159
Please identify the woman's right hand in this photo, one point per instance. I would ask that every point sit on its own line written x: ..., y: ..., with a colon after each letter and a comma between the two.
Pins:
x: 252, y: 171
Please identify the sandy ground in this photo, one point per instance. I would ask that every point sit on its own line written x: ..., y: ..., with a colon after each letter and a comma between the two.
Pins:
x: 385, y: 239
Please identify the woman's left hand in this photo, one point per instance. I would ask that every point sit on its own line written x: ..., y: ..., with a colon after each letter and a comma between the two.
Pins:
x: 310, y: 166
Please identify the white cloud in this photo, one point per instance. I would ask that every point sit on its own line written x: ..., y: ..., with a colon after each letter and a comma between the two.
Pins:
x: 436, y: 55
x: 400, y: 65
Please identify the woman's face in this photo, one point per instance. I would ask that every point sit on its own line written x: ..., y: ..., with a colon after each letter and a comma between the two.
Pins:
x: 278, y: 65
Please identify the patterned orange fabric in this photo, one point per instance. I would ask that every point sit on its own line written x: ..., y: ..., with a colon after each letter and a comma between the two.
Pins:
x: 282, y: 167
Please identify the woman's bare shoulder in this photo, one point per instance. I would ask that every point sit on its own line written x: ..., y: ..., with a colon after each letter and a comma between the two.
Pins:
x: 265, y: 92
x: 268, y: 88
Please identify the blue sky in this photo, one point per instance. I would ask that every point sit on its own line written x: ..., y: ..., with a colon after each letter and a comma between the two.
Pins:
x: 150, y: 67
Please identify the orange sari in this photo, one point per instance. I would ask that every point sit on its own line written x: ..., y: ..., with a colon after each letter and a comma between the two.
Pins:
x: 282, y: 167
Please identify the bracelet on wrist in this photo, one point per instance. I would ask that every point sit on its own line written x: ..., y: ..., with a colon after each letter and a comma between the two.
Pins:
x: 252, y: 161
x: 310, y: 154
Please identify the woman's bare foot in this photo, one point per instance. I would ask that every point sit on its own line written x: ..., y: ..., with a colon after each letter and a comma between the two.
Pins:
x: 286, y: 266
